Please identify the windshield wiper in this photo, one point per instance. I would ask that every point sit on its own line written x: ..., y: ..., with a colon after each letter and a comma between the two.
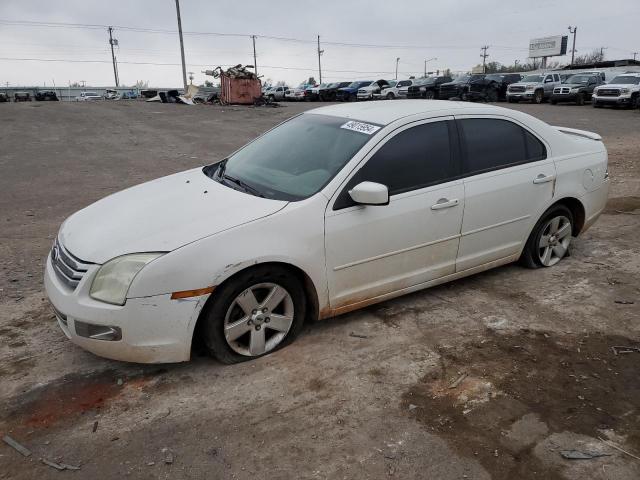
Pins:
x: 246, y: 187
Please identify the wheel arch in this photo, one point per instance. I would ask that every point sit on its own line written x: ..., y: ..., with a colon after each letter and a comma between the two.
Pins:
x: 311, y: 294
x: 577, y: 210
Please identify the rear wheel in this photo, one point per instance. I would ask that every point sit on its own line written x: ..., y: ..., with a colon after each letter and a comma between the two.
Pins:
x: 255, y: 313
x: 549, y: 241
x: 390, y: 96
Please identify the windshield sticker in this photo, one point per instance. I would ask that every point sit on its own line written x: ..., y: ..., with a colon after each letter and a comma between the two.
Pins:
x: 361, y: 127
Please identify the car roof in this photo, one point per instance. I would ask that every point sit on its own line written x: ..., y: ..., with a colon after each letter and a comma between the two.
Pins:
x: 383, y: 113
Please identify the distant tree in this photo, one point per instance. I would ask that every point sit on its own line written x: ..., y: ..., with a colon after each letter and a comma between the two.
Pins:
x: 281, y: 83
x: 208, y: 83
x: 596, y: 55
x: 311, y: 81
x: 75, y: 84
x: 446, y: 72
x: 141, y: 84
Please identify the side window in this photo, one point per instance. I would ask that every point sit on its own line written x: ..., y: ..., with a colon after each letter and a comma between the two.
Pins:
x: 415, y: 158
x: 491, y: 144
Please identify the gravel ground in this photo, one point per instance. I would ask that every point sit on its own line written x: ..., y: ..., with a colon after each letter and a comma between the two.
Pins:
x: 488, y: 377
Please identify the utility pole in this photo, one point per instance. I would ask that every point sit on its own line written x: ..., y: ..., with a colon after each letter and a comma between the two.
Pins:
x: 515, y: 65
x: 184, y: 67
x: 602, y: 49
x: 484, y: 56
x: 255, y: 63
x: 397, y: 61
x: 573, y: 30
x: 320, y: 52
x: 634, y: 55
x: 112, y: 42
x: 425, y: 65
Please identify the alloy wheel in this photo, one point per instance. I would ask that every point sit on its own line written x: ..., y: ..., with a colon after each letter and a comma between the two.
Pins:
x: 258, y: 319
x: 554, y: 241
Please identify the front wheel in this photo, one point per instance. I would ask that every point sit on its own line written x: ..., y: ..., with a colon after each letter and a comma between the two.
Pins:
x: 255, y: 313
x: 429, y: 95
x: 538, y: 97
x: 390, y: 96
x: 580, y: 99
x: 549, y: 241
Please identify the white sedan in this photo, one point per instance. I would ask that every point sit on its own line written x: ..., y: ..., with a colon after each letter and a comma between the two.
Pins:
x: 335, y: 209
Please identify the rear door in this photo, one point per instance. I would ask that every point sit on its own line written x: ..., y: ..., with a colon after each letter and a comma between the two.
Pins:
x: 375, y: 250
x: 509, y: 180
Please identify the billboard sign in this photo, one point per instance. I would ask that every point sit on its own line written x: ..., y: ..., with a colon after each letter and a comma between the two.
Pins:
x: 548, y: 46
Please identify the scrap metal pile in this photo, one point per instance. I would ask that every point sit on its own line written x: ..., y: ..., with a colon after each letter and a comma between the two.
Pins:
x: 238, y: 85
x: 239, y: 71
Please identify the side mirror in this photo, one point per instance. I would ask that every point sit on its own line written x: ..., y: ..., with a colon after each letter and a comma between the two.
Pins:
x: 370, y: 193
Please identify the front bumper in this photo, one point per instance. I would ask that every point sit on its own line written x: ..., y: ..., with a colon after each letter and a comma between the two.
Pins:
x: 154, y: 329
x: 564, y: 97
x: 612, y: 100
x: 527, y: 95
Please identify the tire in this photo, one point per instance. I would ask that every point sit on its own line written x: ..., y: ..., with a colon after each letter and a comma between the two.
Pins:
x: 390, y: 96
x: 535, y: 254
x: 635, y: 102
x: 538, y: 97
x: 492, y: 95
x: 580, y: 99
x: 595, y: 104
x: 464, y: 96
x: 430, y: 95
x: 257, y: 336
x: 272, y: 98
x: 510, y: 100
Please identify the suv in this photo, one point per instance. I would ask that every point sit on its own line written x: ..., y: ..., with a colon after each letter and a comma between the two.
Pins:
x: 4, y: 97
x: 368, y: 92
x: 393, y: 92
x: 427, y: 87
x: 22, y: 97
x: 576, y: 88
x: 622, y: 90
x: 88, y: 96
x: 534, y: 88
x: 502, y: 82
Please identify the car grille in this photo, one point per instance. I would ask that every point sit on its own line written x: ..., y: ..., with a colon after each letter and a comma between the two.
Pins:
x: 563, y: 90
x: 608, y: 92
x: 69, y: 269
x: 517, y: 89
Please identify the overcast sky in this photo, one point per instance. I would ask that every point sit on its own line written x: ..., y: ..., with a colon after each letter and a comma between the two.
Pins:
x: 453, y: 31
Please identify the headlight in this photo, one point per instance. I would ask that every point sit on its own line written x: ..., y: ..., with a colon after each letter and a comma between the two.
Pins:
x: 529, y: 87
x: 625, y: 90
x: 112, y: 281
x: 575, y: 90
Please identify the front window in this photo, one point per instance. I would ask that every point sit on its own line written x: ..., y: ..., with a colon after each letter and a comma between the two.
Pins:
x: 626, y: 80
x: 294, y: 160
x: 462, y: 79
x: 532, y: 79
x: 404, y: 83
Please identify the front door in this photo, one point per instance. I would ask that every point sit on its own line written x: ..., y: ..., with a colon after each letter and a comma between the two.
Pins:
x: 375, y: 250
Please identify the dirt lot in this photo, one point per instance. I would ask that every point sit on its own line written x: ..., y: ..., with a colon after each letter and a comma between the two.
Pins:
x: 488, y: 377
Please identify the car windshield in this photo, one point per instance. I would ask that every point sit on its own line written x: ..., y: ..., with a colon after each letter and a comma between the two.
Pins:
x: 532, y: 79
x: 462, y: 79
x: 294, y: 160
x: 578, y: 79
x: 403, y: 83
x: 497, y: 78
x: 628, y: 80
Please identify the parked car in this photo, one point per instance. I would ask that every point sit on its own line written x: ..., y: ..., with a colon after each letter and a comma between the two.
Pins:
x: 329, y: 93
x: 502, y: 82
x: 534, y: 88
x: 148, y: 93
x: 88, y: 96
x: 312, y: 93
x: 4, y: 97
x: 577, y: 89
x: 295, y: 94
x: 622, y: 90
x: 276, y: 93
x: 46, y: 96
x: 470, y: 87
x: 350, y: 92
x: 321, y: 215
x: 392, y: 92
x: 130, y: 95
x: 367, y: 92
x: 428, y: 88
x: 110, y: 94
x: 21, y: 97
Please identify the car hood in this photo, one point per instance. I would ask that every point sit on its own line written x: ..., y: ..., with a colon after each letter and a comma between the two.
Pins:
x: 619, y: 85
x: 349, y: 89
x: 572, y: 85
x: 524, y: 84
x: 160, y: 216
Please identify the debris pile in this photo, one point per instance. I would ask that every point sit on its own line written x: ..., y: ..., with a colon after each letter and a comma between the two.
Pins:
x: 239, y: 71
x: 238, y: 85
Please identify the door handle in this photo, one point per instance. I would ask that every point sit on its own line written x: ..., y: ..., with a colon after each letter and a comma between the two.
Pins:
x: 445, y: 203
x: 542, y: 178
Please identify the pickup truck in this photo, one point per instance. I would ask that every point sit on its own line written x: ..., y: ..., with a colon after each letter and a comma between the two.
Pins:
x: 622, y: 90
x: 276, y: 93
x: 393, y: 92
x: 374, y: 88
x: 350, y: 93
x: 577, y: 88
x: 428, y: 88
x: 534, y: 88
x: 470, y: 87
